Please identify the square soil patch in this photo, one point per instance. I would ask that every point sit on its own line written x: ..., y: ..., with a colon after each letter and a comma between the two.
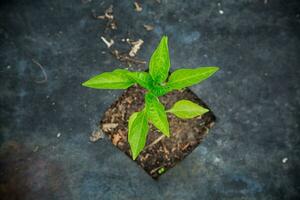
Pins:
x: 160, y: 153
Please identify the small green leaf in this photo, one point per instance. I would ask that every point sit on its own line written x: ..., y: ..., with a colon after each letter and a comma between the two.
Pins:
x: 157, y: 114
x: 160, y: 61
x: 186, y: 109
x: 137, y: 132
x: 142, y: 78
x: 132, y: 118
x: 182, y: 78
x: 161, y: 170
x: 110, y: 80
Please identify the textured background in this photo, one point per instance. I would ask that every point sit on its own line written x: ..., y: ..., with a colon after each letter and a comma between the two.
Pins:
x: 255, y: 97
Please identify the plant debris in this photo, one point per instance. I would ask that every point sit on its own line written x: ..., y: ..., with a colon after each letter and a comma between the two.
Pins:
x: 43, y: 71
x: 125, y: 58
x: 116, y: 138
x: 108, y: 43
x: 148, y: 27
x: 128, y: 57
x: 136, y: 45
x: 138, y: 7
x: 96, y: 135
x: 109, y: 126
x: 108, y: 15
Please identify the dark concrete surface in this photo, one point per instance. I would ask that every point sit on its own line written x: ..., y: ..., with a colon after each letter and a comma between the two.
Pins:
x: 255, y: 97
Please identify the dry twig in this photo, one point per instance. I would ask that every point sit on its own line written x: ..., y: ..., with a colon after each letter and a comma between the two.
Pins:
x: 123, y: 57
x: 138, y: 7
x: 136, y: 45
x: 155, y: 141
x: 108, y: 43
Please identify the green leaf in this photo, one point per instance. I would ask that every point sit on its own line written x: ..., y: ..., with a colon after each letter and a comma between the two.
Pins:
x: 137, y: 132
x: 182, y: 78
x: 142, y: 78
x: 110, y: 80
x: 160, y: 62
x: 132, y: 118
x: 159, y: 90
x: 157, y: 114
x: 186, y: 109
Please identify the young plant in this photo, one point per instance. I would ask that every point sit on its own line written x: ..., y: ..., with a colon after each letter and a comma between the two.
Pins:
x: 157, y: 83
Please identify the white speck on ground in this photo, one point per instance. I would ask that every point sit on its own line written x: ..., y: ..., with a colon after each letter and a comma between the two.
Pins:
x: 221, y: 12
x: 217, y: 160
x: 284, y: 160
x: 8, y: 67
x: 58, y: 135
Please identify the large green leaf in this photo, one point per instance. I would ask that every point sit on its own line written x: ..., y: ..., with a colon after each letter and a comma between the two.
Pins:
x: 157, y: 114
x: 110, y: 80
x: 137, y: 132
x: 186, y: 109
x: 160, y: 62
x: 182, y: 78
x: 142, y: 78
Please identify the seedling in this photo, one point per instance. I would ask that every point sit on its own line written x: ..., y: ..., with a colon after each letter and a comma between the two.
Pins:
x: 157, y: 83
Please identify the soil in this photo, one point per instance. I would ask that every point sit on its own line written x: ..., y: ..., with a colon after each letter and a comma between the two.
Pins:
x: 160, y: 153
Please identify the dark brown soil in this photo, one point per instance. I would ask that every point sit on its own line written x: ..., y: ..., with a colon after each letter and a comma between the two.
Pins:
x: 158, y: 155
